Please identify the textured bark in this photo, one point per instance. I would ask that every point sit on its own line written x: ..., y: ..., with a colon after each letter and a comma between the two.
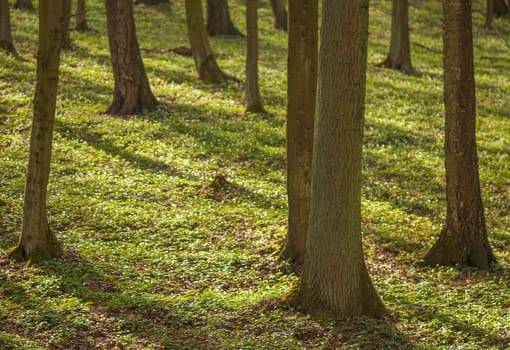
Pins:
x: 66, y: 24
x: 280, y: 14
x: 132, y: 92
x: 464, y: 240
x: 208, y: 69
x: 24, y: 4
x: 5, y: 27
x: 37, y: 242
x: 301, y: 97
x: 253, y: 100
x: 399, y: 56
x: 335, y: 282
x: 218, y: 19
x: 81, y: 18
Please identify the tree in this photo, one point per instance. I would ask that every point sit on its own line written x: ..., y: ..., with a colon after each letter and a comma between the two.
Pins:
x: 24, y: 4
x: 66, y: 23
x: 463, y: 241
x: 149, y: 2
x: 208, y: 69
x: 132, y: 92
x: 494, y: 8
x: 280, y: 14
x: 81, y: 19
x: 399, y: 56
x: 500, y: 7
x: 253, y: 100
x: 37, y: 242
x: 301, y: 96
x: 5, y: 27
x: 218, y: 19
x: 335, y: 282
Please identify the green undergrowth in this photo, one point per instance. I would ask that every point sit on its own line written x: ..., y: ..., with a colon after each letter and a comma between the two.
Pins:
x: 156, y: 258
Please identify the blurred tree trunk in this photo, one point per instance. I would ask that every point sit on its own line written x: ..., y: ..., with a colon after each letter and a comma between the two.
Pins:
x: 218, y: 19
x: 24, y: 4
x: 150, y: 2
x: 399, y: 56
x: 335, y: 282
x: 500, y: 7
x: 463, y: 240
x: 280, y: 14
x: 66, y: 24
x: 37, y: 242
x: 489, y: 15
x: 132, y: 93
x: 208, y: 69
x: 253, y: 100
x: 301, y: 97
x: 5, y: 27
x: 81, y: 18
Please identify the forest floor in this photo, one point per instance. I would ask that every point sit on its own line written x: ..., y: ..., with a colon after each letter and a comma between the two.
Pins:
x: 155, y: 258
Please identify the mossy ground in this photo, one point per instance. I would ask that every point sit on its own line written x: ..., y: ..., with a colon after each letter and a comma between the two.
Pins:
x: 156, y: 259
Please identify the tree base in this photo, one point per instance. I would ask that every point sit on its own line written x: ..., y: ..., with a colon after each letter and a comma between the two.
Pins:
x: 255, y: 107
x: 7, y: 46
x: 21, y: 253
x: 401, y: 65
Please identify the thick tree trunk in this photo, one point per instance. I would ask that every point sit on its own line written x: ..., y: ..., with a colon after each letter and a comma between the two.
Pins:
x: 500, y: 7
x: 301, y: 97
x: 253, y: 100
x: 464, y: 240
x: 24, y: 4
x: 335, y: 281
x: 208, y: 69
x: 132, y: 93
x: 280, y: 14
x: 5, y: 27
x: 218, y: 19
x: 81, y: 18
x: 37, y: 242
x: 399, y: 56
x: 66, y: 24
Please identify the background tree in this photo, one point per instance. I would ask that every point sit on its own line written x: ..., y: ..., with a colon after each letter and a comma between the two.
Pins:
x: 500, y: 7
x: 37, y: 242
x: 301, y: 96
x: 218, y: 19
x: 494, y: 8
x: 399, y: 56
x: 150, y: 2
x: 132, y: 92
x: 208, y: 69
x: 253, y: 100
x: 81, y: 18
x: 5, y: 27
x: 280, y: 14
x: 66, y: 24
x: 24, y: 4
x: 463, y: 240
x: 335, y: 282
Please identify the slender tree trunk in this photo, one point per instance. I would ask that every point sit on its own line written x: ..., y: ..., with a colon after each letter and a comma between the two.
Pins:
x: 253, y: 100
x: 5, y: 27
x: 218, y: 19
x: 489, y: 15
x: 335, y: 281
x: 37, y: 242
x: 464, y: 240
x: 500, y: 7
x: 208, y: 69
x: 81, y: 18
x: 280, y: 14
x: 301, y: 96
x: 132, y: 93
x: 399, y: 56
x: 66, y: 24
x: 24, y: 4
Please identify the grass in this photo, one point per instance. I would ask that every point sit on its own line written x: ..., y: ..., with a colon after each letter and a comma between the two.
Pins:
x: 156, y: 259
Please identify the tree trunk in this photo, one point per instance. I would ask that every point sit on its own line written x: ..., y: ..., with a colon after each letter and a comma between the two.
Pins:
x: 280, y: 14
x: 500, y: 7
x: 24, y: 4
x: 132, y: 90
x: 464, y: 240
x: 5, y: 27
x: 66, y: 23
x: 81, y: 18
x: 399, y: 56
x: 150, y: 2
x: 335, y: 281
x: 208, y: 69
x: 37, y: 242
x: 253, y: 100
x: 218, y: 19
x: 301, y: 94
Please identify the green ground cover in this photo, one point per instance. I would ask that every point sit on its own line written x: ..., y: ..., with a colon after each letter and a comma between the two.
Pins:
x: 156, y: 259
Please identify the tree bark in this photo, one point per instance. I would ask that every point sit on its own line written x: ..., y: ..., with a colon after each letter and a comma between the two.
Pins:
x: 253, y: 100
x: 335, y: 282
x: 500, y: 7
x: 399, y: 56
x: 5, y: 27
x: 37, y: 242
x: 208, y: 69
x: 66, y: 24
x: 280, y: 14
x: 132, y: 92
x: 301, y: 97
x: 464, y: 240
x: 24, y: 4
x: 218, y: 19
x: 81, y: 18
